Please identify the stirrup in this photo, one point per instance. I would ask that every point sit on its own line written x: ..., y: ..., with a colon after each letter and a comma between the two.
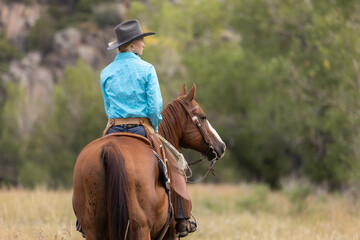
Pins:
x: 185, y: 226
x: 194, y: 222
x: 191, y: 227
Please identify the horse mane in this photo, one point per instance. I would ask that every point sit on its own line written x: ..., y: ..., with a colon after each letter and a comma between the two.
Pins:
x: 170, y: 126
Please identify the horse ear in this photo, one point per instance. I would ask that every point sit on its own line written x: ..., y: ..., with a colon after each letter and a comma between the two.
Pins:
x: 183, y: 90
x: 191, y: 94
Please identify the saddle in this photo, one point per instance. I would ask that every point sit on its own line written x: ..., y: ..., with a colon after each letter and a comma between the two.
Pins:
x: 133, y: 135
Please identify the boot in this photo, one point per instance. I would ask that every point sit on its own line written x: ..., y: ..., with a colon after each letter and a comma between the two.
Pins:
x: 184, y: 227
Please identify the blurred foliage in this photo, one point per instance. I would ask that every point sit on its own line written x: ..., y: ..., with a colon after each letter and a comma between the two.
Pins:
x: 73, y: 12
x: 106, y: 15
x: 279, y: 80
x: 297, y: 191
x: 255, y: 200
x: 28, y: 2
x: 48, y: 154
x: 7, y: 52
x: 41, y: 35
x: 77, y: 118
x: 10, y: 146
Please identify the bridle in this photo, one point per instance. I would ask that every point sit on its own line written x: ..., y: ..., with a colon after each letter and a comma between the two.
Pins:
x: 200, y: 127
x: 206, y: 138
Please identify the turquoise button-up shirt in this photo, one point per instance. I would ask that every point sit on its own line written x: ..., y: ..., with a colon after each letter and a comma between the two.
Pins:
x: 131, y: 89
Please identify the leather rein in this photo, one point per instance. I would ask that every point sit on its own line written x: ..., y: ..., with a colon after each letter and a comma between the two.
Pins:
x: 207, y: 139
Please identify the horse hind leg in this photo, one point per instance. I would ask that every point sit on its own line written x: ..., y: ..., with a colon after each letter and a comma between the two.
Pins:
x: 142, y: 233
x: 88, y: 201
x: 96, y: 208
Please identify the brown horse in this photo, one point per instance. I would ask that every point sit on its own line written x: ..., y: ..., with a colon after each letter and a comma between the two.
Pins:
x: 117, y: 191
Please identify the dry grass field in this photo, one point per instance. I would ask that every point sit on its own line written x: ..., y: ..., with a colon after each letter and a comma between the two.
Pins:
x: 225, y: 212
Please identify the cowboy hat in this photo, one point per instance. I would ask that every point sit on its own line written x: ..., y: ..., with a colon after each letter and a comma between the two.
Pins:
x: 127, y: 32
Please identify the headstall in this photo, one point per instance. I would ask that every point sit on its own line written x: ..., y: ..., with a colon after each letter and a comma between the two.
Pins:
x: 207, y: 139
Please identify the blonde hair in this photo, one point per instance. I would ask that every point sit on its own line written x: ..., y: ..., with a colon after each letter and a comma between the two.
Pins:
x: 125, y: 48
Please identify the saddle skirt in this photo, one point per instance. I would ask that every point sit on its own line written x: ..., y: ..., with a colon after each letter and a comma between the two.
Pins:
x: 133, y: 135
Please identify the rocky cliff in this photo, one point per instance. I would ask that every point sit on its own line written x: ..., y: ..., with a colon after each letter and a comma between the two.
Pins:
x: 37, y: 71
x: 16, y: 20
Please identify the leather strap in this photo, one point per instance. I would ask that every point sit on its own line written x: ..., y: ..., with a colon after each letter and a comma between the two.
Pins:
x: 120, y: 121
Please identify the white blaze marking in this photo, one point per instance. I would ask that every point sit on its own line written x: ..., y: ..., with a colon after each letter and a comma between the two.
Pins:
x: 215, y: 134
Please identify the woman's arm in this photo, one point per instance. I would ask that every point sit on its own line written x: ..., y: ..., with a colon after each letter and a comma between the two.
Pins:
x: 154, y: 99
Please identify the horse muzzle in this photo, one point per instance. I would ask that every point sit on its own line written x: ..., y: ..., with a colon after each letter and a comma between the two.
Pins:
x: 216, y: 151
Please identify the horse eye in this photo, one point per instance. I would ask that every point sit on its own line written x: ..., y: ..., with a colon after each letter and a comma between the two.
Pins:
x: 203, y: 117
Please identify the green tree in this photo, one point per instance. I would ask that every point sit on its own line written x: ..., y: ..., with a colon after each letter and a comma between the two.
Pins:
x: 278, y: 77
x: 76, y: 119
x: 8, y: 52
x: 279, y: 80
x: 41, y: 35
x: 11, y: 144
x: 313, y: 47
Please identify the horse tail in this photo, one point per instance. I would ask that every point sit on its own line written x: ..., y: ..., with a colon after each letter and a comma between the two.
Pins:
x: 117, y: 192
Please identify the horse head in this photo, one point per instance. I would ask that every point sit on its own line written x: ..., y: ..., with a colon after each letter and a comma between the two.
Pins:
x: 191, y: 126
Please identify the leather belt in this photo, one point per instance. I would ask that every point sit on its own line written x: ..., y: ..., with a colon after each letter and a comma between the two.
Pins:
x: 128, y: 125
x: 127, y: 121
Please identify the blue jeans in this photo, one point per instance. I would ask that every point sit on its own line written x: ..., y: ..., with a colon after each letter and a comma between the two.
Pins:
x: 138, y: 130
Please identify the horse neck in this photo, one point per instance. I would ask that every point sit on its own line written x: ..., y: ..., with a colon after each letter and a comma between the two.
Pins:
x: 173, y: 123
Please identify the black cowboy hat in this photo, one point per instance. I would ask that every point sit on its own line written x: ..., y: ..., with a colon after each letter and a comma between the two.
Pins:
x: 126, y: 32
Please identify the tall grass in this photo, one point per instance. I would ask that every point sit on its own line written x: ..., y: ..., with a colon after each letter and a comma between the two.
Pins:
x: 39, y: 214
x: 225, y: 212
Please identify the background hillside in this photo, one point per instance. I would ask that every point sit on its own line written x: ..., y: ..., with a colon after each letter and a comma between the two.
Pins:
x: 279, y: 80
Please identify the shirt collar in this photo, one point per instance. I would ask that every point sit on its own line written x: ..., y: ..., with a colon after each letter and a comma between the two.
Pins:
x: 126, y: 55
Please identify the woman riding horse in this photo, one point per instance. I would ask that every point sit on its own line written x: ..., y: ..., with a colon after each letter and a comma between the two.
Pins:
x: 132, y: 99
x: 117, y: 190
x: 118, y: 193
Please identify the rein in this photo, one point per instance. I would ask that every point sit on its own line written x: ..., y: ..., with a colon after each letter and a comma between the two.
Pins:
x: 210, y: 169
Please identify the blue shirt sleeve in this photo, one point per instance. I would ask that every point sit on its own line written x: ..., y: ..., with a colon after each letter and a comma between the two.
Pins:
x: 105, y: 96
x: 154, y: 99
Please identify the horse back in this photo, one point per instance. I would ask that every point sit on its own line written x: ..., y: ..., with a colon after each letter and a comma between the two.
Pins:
x: 146, y: 194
